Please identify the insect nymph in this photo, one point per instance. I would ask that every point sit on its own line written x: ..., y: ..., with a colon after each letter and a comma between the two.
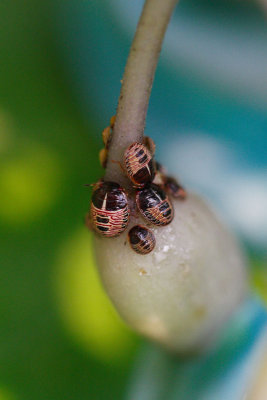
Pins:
x: 154, y: 205
x: 174, y: 188
x: 139, y: 164
x: 141, y: 239
x: 109, y: 209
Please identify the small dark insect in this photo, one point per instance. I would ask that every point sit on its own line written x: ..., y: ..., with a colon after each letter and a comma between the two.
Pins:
x: 139, y: 164
x: 154, y: 205
x: 110, y: 211
x: 174, y: 188
x: 168, y: 183
x: 141, y: 239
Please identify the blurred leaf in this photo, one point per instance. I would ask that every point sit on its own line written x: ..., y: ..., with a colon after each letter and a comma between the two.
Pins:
x: 84, y: 305
x: 47, y: 152
x: 225, y: 371
x: 29, y: 184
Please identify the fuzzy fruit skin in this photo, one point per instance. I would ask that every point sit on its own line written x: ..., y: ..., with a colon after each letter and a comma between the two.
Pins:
x: 180, y: 294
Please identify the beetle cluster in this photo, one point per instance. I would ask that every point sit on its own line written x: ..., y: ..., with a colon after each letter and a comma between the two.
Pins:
x: 110, y: 207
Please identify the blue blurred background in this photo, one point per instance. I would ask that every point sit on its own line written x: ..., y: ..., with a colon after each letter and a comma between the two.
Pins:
x: 60, y: 72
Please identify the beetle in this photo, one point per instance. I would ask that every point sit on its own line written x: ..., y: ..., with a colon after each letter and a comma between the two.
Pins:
x: 141, y: 239
x: 110, y: 212
x: 154, y: 205
x: 139, y: 164
x: 174, y: 188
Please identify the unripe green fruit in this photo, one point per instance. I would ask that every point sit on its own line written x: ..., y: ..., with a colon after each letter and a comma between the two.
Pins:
x: 181, y: 293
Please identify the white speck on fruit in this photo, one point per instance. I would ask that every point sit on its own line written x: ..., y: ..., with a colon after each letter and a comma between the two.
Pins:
x: 142, y: 272
x: 159, y: 256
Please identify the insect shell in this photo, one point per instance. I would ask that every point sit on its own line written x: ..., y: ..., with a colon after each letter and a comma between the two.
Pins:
x: 139, y: 164
x: 110, y: 211
x: 174, y: 188
x: 168, y: 183
x: 106, y: 137
x: 141, y: 239
x: 103, y: 157
x: 154, y: 205
x: 107, y: 132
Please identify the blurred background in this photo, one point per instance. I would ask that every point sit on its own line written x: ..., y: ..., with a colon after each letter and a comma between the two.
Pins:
x: 60, y: 71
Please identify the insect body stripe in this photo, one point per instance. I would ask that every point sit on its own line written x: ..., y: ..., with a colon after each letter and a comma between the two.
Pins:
x: 105, y: 202
x: 156, y: 216
x: 133, y: 161
x: 115, y: 221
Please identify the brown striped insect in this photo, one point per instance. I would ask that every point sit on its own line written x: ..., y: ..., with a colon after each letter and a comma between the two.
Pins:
x: 141, y: 239
x: 139, y: 164
x: 174, y: 188
x: 110, y: 211
x: 154, y: 205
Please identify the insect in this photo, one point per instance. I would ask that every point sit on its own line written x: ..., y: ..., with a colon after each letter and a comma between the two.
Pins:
x: 154, y: 205
x: 141, y: 239
x: 139, y: 164
x: 110, y: 211
x: 168, y: 183
x: 174, y: 188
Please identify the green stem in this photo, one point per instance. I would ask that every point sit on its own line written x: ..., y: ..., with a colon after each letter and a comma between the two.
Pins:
x: 137, y: 83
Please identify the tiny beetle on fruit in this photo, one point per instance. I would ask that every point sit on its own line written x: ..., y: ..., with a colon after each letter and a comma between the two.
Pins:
x: 110, y: 211
x: 154, y: 205
x: 174, y: 188
x: 141, y: 239
x: 139, y: 164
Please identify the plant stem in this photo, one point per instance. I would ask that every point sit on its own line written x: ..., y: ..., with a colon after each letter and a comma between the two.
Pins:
x: 137, y: 83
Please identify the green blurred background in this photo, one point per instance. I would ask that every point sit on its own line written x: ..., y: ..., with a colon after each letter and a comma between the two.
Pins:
x: 59, y: 336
